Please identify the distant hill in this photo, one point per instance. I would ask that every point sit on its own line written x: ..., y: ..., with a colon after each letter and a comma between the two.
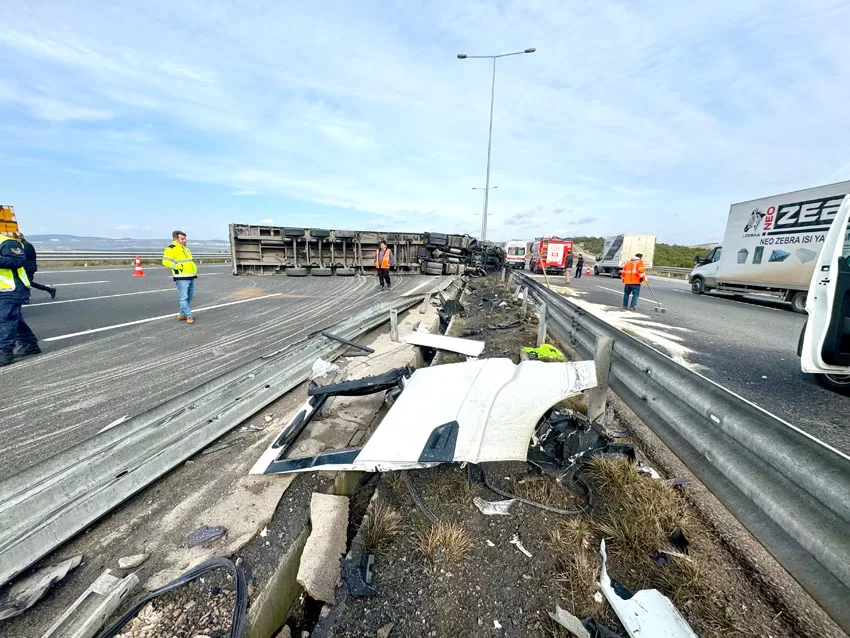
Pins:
x: 669, y: 255
x: 46, y: 243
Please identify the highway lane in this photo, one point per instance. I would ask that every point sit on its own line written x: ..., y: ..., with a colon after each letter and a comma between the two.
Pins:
x: 83, y: 382
x: 749, y: 346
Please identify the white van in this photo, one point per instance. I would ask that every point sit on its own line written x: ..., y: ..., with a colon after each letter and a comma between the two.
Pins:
x: 516, y: 251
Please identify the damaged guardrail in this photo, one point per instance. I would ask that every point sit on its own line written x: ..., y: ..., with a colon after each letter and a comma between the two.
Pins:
x: 790, y: 490
x: 47, y: 504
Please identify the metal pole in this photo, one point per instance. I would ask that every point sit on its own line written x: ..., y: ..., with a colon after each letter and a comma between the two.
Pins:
x: 596, y: 400
x: 489, y: 147
x: 393, y: 325
x: 541, y: 325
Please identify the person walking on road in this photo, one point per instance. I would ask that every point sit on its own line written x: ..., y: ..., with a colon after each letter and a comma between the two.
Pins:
x: 579, y: 266
x: 14, y: 293
x: 633, y: 275
x: 178, y: 258
x: 384, y: 260
x: 32, y: 266
x: 568, y: 271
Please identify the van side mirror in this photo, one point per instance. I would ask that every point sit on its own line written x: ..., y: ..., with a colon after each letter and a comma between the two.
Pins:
x: 697, y: 260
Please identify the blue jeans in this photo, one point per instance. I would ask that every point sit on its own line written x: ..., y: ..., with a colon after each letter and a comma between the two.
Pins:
x: 634, y: 291
x: 186, y: 290
x: 13, y: 328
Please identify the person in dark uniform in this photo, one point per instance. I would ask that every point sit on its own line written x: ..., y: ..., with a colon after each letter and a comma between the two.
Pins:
x: 579, y: 266
x: 31, y: 268
x: 14, y: 293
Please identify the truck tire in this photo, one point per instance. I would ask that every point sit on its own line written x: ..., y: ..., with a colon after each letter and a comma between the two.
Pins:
x: 798, y: 302
x: 321, y: 272
x: 839, y: 383
x: 345, y: 272
x: 296, y: 272
x: 432, y: 268
x: 437, y: 239
x: 319, y: 233
x: 345, y: 234
x: 596, y: 270
x: 698, y: 286
x: 293, y: 232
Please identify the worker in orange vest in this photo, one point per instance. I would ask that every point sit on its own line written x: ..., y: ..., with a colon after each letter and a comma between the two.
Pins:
x: 633, y: 275
x: 384, y: 260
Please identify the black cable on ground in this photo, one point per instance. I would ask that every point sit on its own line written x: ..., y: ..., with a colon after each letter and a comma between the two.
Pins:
x: 541, y: 506
x: 413, y: 495
x: 237, y: 623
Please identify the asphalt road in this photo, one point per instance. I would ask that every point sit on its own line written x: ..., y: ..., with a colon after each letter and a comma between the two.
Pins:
x: 747, y: 345
x: 112, y: 346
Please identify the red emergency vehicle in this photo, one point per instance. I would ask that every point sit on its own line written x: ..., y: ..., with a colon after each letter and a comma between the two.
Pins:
x: 550, y: 253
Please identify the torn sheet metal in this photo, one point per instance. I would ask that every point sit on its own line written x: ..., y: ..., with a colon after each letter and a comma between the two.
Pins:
x: 493, y: 508
x: 441, y: 342
x: 645, y: 613
x: 477, y: 411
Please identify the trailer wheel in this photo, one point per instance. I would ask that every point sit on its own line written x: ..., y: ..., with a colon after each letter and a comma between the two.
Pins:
x: 345, y: 272
x: 296, y: 272
x: 839, y: 383
x: 698, y: 285
x: 321, y: 272
x: 798, y: 302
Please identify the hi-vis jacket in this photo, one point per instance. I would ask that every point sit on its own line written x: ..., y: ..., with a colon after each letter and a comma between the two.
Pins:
x: 634, y: 272
x: 384, y: 260
x: 179, y: 259
x: 12, y: 262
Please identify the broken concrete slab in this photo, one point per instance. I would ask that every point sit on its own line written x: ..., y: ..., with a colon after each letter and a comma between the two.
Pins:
x: 131, y: 562
x: 645, y: 613
x: 319, y: 570
x: 27, y: 591
x: 89, y: 613
x: 467, y: 347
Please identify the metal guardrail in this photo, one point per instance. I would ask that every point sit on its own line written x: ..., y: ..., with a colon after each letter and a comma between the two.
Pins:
x: 70, y: 255
x: 790, y: 490
x: 48, y: 503
x: 671, y: 270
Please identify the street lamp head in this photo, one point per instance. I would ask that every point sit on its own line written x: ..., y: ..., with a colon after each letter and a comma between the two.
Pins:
x: 461, y: 56
x: 528, y: 50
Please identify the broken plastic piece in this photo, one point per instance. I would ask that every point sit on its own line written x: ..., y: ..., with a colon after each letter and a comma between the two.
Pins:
x: 546, y: 352
x: 493, y: 508
x: 518, y: 543
x: 280, y: 446
x: 679, y: 481
x: 679, y: 541
x: 29, y: 590
x: 91, y: 610
x: 364, y: 386
x: 645, y: 613
x: 206, y: 534
x: 569, y: 622
x: 322, y: 368
x: 441, y: 342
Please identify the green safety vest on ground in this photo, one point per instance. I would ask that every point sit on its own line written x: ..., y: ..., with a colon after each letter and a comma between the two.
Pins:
x: 179, y: 259
x: 7, y: 275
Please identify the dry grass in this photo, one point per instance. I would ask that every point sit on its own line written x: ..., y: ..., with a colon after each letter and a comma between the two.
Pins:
x: 396, y: 480
x: 543, y: 489
x: 573, y: 544
x: 444, y: 543
x: 576, y: 403
x: 450, y: 485
x: 383, y: 524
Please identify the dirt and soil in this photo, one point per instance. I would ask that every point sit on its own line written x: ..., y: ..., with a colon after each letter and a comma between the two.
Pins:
x: 493, y: 589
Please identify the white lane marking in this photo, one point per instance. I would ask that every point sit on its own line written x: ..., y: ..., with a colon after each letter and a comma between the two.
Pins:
x: 170, y: 315
x: 125, y: 269
x: 81, y: 283
x: 123, y: 294
x: 422, y: 285
x: 620, y: 292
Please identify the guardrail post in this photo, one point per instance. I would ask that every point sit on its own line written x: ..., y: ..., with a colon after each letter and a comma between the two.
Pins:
x: 541, y: 326
x: 393, y: 325
x: 503, y: 272
x: 425, y: 303
x: 602, y: 358
x: 524, y: 310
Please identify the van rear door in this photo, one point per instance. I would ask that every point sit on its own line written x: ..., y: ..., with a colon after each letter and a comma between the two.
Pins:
x: 826, y: 339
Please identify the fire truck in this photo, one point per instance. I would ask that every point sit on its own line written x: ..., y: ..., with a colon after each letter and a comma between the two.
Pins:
x: 550, y: 253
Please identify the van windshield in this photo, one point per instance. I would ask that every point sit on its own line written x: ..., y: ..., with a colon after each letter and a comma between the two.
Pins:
x: 516, y: 251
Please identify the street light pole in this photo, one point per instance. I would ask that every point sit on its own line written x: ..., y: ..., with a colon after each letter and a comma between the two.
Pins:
x: 463, y: 56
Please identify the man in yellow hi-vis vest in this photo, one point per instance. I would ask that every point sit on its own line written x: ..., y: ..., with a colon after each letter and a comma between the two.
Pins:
x: 14, y: 293
x: 178, y: 258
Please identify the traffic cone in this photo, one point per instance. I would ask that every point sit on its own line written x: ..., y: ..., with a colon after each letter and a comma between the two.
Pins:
x: 588, y: 271
x: 139, y: 272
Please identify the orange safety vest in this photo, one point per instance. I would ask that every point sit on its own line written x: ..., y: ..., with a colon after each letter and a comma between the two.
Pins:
x: 385, y: 262
x: 634, y: 272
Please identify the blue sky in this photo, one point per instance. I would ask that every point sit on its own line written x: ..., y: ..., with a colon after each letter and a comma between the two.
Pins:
x: 130, y: 118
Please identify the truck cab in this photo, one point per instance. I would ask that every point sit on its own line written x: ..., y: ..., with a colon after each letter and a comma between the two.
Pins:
x: 824, y: 346
x: 704, y: 275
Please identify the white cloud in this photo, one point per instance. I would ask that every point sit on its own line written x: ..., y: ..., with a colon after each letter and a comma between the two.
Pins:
x: 244, y: 192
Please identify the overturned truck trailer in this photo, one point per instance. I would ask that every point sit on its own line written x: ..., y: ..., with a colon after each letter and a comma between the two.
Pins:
x: 298, y: 252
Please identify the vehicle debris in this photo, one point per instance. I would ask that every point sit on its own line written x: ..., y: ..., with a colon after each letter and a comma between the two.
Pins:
x: 131, y: 562
x: 490, y: 543
x: 358, y: 576
x: 251, y: 428
x: 546, y: 352
x: 87, y: 615
x: 322, y: 368
x: 678, y: 482
x: 467, y: 347
x: 29, y: 590
x: 644, y: 613
x: 504, y: 325
x: 493, y: 508
x: 206, y: 534
x: 318, y: 572
x: 679, y: 540
x: 518, y: 543
x: 497, y: 624
x: 286, y: 438
x: 348, y: 342
x: 487, y: 411
x: 217, y: 447
x: 569, y: 622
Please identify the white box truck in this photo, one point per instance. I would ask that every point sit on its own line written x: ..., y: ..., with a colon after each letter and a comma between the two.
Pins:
x: 771, y: 245
x: 618, y: 249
